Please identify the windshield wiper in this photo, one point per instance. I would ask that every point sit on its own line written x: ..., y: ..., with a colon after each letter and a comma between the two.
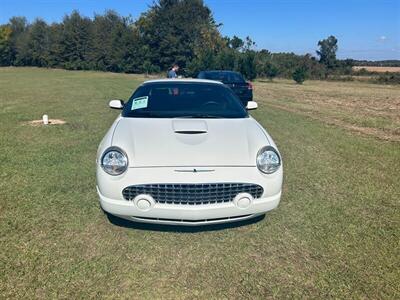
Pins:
x: 199, y: 116
x: 149, y: 114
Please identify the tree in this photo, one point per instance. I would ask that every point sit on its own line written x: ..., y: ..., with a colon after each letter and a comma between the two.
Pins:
x: 248, y: 44
x: 170, y: 31
x: 205, y: 60
x: 247, y: 64
x: 327, y: 52
x: 225, y: 59
x: 112, y: 43
x: 5, y: 45
x: 54, y: 56
x: 268, y: 70
x: 32, y: 46
x: 236, y: 43
x: 75, y: 42
x: 299, y: 75
x: 149, y: 68
x: 19, y: 26
x: 177, y: 31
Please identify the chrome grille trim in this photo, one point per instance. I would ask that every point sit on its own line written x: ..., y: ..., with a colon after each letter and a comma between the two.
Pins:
x: 144, y: 219
x: 193, y: 193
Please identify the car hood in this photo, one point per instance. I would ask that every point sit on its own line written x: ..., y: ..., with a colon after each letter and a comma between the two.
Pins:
x: 189, y: 142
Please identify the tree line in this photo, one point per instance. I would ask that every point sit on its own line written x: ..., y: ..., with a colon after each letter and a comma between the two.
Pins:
x: 170, y: 31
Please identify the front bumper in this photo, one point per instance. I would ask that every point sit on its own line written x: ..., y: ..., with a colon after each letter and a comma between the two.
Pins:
x: 110, y: 194
x: 188, y: 214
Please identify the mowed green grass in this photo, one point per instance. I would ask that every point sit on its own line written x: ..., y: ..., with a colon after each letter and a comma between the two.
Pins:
x: 335, y: 233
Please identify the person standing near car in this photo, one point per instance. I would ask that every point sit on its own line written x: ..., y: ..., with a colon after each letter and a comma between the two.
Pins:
x: 172, y: 72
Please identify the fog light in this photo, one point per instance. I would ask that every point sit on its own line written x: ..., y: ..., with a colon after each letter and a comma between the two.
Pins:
x: 143, y: 202
x: 243, y: 200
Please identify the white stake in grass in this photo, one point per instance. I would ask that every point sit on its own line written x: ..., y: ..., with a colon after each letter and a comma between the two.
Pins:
x: 45, y: 119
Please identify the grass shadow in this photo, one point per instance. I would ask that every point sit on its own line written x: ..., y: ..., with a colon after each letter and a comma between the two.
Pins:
x: 179, y: 228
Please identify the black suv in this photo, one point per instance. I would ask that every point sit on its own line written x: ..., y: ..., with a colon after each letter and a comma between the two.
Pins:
x: 235, y: 80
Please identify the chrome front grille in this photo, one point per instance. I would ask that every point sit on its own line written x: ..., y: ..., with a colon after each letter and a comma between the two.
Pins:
x: 193, y: 194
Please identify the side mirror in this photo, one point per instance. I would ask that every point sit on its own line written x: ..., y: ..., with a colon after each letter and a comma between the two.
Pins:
x: 116, y: 104
x: 252, y: 105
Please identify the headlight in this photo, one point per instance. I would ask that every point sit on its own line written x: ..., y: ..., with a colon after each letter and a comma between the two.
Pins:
x: 114, y: 161
x: 268, y: 160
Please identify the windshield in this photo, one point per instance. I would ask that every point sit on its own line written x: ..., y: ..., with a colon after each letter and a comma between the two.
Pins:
x: 225, y: 77
x: 183, y: 100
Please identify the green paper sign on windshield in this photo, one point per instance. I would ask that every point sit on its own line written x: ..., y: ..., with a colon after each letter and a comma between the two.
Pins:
x: 140, y: 102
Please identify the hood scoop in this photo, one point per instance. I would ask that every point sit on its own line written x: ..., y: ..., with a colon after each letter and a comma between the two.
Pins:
x: 189, y: 126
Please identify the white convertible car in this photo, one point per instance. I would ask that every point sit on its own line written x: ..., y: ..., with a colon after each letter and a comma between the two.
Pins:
x: 186, y: 152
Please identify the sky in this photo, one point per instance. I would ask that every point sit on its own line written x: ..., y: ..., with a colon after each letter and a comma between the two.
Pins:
x: 365, y: 29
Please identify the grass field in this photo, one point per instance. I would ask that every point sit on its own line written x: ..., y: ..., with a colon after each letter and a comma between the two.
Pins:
x: 377, y: 69
x: 336, y: 233
x: 360, y: 107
